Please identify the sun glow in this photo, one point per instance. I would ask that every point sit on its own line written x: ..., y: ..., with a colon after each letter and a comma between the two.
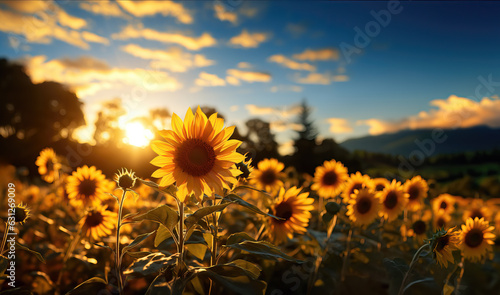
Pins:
x: 137, y: 135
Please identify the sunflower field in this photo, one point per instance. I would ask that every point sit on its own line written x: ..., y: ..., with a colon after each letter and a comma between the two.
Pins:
x: 209, y: 220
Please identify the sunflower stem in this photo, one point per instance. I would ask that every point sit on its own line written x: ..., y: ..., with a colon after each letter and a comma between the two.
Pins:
x: 118, y: 259
x: 213, y: 257
x: 346, y: 257
x: 412, y: 264
x: 4, y: 239
x: 320, y: 210
x: 67, y: 255
x: 180, y: 260
x: 459, y: 279
x: 261, y: 231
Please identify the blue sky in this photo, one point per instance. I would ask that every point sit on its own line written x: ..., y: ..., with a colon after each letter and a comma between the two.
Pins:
x: 260, y: 59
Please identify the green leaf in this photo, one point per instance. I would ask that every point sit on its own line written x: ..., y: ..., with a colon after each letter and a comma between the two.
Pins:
x: 4, y: 264
x: 198, y: 250
x: 161, y: 235
x: 163, y: 215
x: 332, y: 208
x: 103, y: 246
x: 237, y: 200
x: 202, y: 212
x: 196, y: 238
x: 92, y: 285
x: 150, y: 264
x: 16, y: 291
x: 233, y: 278
x: 159, y: 286
x: 136, y: 242
x: 37, y: 254
x: 263, y: 249
x: 238, y: 237
x: 251, y: 268
x: 171, y: 190
x: 138, y: 254
x: 253, y: 189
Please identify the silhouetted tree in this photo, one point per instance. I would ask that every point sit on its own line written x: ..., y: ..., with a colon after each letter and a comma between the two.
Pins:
x: 303, y: 158
x: 107, y: 130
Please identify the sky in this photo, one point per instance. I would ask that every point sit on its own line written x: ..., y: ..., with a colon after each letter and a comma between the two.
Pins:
x: 364, y: 67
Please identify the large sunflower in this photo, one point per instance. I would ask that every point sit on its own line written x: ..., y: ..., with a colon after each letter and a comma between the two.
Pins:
x: 98, y: 222
x: 417, y: 190
x: 445, y: 203
x: 48, y: 165
x: 363, y: 207
x: 477, y: 209
x: 268, y: 175
x: 295, y: 209
x: 476, y: 239
x: 393, y: 199
x: 443, y: 243
x: 329, y: 179
x: 86, y: 187
x: 197, y: 155
x: 355, y: 182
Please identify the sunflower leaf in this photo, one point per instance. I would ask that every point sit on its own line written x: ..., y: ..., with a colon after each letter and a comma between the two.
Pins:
x: 264, y: 249
x: 37, y: 254
x: 171, y: 190
x: 238, y: 200
x: 234, y: 278
x: 92, y: 285
x: 238, y: 237
x: 150, y: 264
x: 161, y: 235
x: 163, y: 215
x: 202, y: 212
x: 136, y: 242
x: 253, y: 189
x: 159, y: 286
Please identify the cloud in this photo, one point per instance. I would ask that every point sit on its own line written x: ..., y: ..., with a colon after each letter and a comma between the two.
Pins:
x: 318, y: 55
x: 173, y: 59
x: 70, y: 21
x: 37, y: 30
x: 191, y: 43
x: 248, y: 40
x: 29, y: 6
x: 91, y: 37
x: 244, y: 65
x: 453, y: 112
x: 282, y: 112
x: 286, y: 148
x: 339, y: 125
x: 222, y: 14
x: 296, y: 29
x: 150, y: 8
x: 232, y: 80
x: 102, y: 7
x: 291, y: 64
x: 286, y: 88
x: 87, y: 75
x: 209, y: 80
x: 249, y: 76
x: 280, y: 126
x: 321, y: 79
x: 234, y: 108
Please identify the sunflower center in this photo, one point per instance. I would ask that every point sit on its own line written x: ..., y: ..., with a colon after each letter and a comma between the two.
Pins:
x: 93, y: 219
x: 419, y: 227
x: 379, y: 187
x: 125, y: 181
x: 440, y: 222
x: 330, y: 178
x: 20, y: 214
x: 391, y: 200
x: 442, y: 242
x: 268, y: 177
x: 474, y: 238
x: 50, y: 165
x: 87, y: 187
x: 476, y: 213
x: 414, y: 192
x: 195, y: 157
x: 283, y: 210
x: 356, y: 186
x: 363, y: 205
x: 443, y: 205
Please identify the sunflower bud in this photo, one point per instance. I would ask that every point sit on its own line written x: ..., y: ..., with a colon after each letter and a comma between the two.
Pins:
x: 125, y: 179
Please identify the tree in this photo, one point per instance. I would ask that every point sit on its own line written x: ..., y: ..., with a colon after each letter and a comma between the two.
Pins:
x: 304, y: 157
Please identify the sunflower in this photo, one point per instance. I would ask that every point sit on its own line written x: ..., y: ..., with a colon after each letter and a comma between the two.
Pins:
x: 22, y: 213
x: 295, y: 209
x: 98, y: 222
x: 418, y: 230
x: 444, y: 202
x: 443, y: 243
x: 441, y: 220
x: 380, y: 183
x: 355, y: 182
x: 197, y: 155
x: 393, y: 199
x: 246, y: 169
x: 417, y: 190
x: 476, y: 238
x: 125, y: 179
x: 86, y: 187
x: 363, y: 207
x: 267, y: 175
x: 329, y: 179
x: 48, y: 165
x: 477, y: 209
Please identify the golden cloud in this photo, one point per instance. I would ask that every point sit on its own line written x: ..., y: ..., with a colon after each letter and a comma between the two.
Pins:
x: 222, y: 14
x: 249, y: 76
x: 232, y: 80
x: 209, y: 80
x: 191, y: 43
x: 279, y: 88
x: 244, y: 65
x: 173, y: 59
x: 339, y: 125
x: 283, y: 112
x: 318, y: 55
x: 321, y: 79
x: 91, y: 37
x: 291, y: 64
x: 453, y: 112
x: 102, y: 7
x: 29, y: 6
x: 248, y: 40
x: 149, y: 8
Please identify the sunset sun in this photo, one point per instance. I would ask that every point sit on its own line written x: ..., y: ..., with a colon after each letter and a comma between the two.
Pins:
x: 137, y: 135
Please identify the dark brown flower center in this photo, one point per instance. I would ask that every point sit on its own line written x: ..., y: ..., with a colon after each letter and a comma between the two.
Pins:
x: 87, y: 187
x: 363, y: 205
x: 443, y: 205
x: 20, y: 214
x: 283, y: 210
x: 93, y: 219
x: 50, y: 165
x: 391, y: 200
x: 125, y: 181
x: 474, y: 238
x: 414, y: 192
x: 195, y: 157
x: 442, y: 242
x: 356, y: 186
x: 330, y: 178
x: 379, y: 187
x: 476, y: 213
x: 440, y: 222
x: 268, y: 177
x: 419, y: 227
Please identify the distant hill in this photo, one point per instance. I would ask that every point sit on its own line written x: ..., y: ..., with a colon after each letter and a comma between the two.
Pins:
x: 430, y: 142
